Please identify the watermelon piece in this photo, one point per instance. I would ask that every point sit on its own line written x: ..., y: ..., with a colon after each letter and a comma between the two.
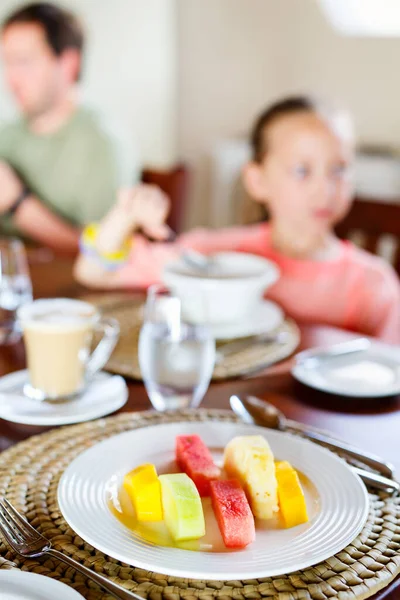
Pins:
x: 194, y: 458
x: 233, y: 513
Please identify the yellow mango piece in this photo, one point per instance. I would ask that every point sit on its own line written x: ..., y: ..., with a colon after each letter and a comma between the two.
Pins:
x: 291, y: 498
x: 144, y: 489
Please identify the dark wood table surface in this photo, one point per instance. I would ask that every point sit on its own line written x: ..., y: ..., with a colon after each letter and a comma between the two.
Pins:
x: 370, y: 424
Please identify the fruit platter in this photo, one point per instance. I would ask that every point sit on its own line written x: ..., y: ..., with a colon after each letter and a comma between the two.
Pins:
x: 212, y: 500
x: 247, y: 492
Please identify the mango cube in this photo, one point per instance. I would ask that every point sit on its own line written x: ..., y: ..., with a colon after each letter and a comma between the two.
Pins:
x: 290, y: 495
x: 143, y: 487
x: 183, y: 511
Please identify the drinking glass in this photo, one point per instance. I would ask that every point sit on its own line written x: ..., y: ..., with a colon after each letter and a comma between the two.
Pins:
x: 176, y: 354
x: 15, y: 287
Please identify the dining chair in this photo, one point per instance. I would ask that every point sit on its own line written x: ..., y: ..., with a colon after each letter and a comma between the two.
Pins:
x: 174, y: 182
x: 373, y: 219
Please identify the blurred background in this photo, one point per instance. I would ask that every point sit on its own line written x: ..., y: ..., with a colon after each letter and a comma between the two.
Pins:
x: 184, y: 80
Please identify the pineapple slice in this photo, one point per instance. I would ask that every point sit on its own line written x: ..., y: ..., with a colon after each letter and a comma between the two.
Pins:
x: 291, y: 496
x: 250, y: 460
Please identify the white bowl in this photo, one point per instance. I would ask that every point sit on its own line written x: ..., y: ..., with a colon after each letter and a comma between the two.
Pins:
x: 233, y: 288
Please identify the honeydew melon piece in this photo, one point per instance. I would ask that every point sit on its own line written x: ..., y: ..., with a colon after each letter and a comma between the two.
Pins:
x: 183, y: 511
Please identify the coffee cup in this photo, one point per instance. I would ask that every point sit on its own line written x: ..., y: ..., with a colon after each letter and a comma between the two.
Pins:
x: 58, y: 335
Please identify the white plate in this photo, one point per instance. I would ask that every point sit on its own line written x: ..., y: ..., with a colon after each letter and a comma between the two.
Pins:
x: 372, y: 373
x: 342, y: 501
x: 266, y: 318
x: 22, y: 585
x: 106, y: 394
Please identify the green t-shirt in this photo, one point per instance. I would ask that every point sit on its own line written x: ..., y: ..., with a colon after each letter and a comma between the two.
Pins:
x: 75, y: 171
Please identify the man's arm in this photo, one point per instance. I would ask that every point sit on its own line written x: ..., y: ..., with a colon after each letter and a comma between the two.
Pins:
x: 33, y: 218
x: 38, y: 222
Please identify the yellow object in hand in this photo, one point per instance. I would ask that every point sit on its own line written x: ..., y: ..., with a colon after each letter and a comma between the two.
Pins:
x: 144, y: 489
x: 291, y: 498
x: 110, y: 260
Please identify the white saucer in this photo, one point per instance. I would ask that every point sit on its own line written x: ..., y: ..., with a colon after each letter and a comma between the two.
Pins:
x: 21, y: 585
x: 264, y: 319
x: 370, y: 373
x: 106, y: 394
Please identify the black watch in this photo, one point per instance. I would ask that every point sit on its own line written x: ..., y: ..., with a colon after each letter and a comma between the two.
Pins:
x: 15, y: 206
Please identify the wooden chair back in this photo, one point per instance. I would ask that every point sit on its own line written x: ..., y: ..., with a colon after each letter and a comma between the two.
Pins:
x: 174, y: 183
x: 373, y: 219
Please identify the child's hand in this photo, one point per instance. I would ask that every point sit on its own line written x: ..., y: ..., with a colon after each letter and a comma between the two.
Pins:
x: 145, y: 207
x: 142, y: 207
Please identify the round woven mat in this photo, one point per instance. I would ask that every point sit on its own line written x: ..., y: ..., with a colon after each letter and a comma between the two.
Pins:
x: 124, y: 359
x: 29, y: 475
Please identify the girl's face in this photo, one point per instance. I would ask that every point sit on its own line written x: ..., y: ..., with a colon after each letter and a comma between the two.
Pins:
x: 304, y: 178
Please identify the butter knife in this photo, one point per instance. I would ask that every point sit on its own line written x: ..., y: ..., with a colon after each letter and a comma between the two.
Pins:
x: 311, y: 358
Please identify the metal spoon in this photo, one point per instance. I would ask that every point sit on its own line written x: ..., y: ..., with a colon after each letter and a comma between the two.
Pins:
x: 253, y: 410
x: 198, y: 261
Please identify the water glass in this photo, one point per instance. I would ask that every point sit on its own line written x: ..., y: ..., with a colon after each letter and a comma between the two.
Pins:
x: 15, y: 287
x: 176, y: 355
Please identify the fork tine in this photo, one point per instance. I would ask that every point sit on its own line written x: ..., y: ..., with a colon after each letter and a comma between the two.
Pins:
x: 24, y: 529
x: 6, y: 531
x: 8, y: 524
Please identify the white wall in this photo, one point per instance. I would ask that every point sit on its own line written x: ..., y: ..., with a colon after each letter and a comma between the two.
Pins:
x: 130, y: 69
x: 237, y: 55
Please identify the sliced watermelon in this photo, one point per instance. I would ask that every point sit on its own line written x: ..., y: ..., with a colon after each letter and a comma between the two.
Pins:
x: 194, y: 458
x: 233, y: 513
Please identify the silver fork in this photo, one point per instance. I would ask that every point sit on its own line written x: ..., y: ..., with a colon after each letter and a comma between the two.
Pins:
x: 29, y: 543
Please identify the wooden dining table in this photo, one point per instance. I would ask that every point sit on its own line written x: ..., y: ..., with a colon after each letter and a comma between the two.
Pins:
x: 370, y: 424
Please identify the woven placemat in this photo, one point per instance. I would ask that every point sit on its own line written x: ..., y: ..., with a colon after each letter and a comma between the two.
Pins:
x: 124, y: 360
x: 29, y: 475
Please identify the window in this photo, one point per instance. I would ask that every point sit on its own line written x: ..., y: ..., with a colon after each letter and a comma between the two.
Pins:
x: 379, y: 18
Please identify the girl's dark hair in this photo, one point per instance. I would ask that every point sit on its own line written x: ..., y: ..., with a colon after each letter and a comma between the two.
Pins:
x: 288, y: 106
x: 61, y: 28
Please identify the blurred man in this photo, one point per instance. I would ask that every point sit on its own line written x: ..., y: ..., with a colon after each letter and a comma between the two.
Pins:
x: 59, y: 166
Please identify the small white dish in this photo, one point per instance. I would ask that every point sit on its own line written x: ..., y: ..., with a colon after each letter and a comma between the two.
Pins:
x: 106, y: 394
x: 338, y: 504
x: 266, y: 317
x: 22, y: 585
x: 370, y: 373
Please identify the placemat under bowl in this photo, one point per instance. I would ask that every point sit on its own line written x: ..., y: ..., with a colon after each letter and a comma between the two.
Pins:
x: 29, y: 475
x: 124, y: 360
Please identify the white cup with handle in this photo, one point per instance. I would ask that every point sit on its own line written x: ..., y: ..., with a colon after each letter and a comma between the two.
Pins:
x: 58, y: 335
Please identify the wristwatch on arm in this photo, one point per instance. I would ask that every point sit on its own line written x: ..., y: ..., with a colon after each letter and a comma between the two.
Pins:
x: 17, y: 203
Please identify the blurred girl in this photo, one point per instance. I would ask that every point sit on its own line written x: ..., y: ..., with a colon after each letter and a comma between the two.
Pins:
x: 301, y: 172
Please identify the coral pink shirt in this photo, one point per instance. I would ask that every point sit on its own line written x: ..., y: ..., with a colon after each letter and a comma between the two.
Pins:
x: 355, y: 291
